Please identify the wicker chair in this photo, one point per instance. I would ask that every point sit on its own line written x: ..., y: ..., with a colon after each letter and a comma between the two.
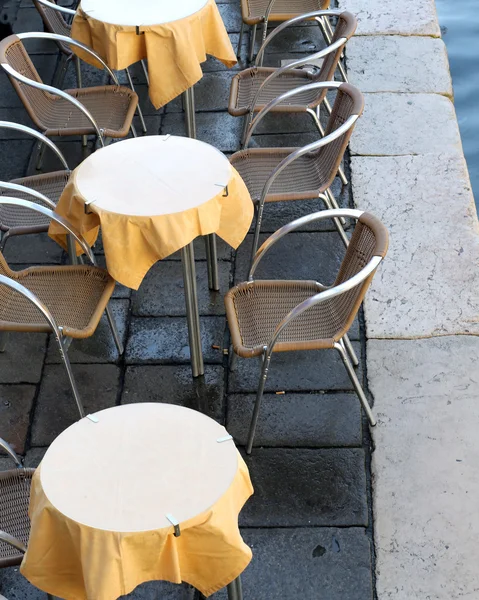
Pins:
x: 67, y: 301
x: 280, y: 174
x: 279, y: 316
x: 57, y: 19
x: 104, y: 111
x: 46, y: 189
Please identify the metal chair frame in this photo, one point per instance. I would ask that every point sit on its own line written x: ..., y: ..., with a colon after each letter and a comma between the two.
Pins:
x: 62, y: 340
x: 343, y: 347
x: 4, y: 535
x: 57, y: 92
x: 328, y: 198
x: 5, y: 234
x: 71, y: 13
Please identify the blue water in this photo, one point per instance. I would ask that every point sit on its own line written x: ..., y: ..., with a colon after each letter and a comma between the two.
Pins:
x: 459, y: 21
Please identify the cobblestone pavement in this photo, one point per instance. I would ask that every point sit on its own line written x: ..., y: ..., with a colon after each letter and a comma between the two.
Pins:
x: 309, y: 521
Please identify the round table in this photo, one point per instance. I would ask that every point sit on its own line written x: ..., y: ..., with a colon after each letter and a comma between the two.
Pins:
x: 153, y: 196
x: 135, y: 493
x: 175, y: 37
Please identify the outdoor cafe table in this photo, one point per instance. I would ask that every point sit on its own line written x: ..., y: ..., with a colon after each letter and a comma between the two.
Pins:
x: 153, y: 196
x: 174, y: 35
x: 136, y: 493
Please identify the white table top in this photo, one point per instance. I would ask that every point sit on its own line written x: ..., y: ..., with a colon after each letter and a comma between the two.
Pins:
x: 140, y: 12
x: 153, y: 175
x: 137, y: 464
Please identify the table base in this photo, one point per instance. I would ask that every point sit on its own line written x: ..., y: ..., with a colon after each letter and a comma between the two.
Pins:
x: 192, y: 314
x: 235, y: 589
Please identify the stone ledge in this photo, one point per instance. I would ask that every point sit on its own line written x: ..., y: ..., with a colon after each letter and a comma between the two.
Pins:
x: 394, y: 124
x: 429, y: 282
x: 391, y: 71
x: 426, y: 481
x: 391, y: 17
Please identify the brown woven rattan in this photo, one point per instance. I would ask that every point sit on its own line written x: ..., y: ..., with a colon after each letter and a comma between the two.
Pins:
x: 112, y: 106
x: 76, y: 296
x: 55, y: 22
x: 253, y: 11
x: 18, y: 220
x: 308, y: 175
x: 14, y: 520
x: 245, y: 84
x: 255, y: 309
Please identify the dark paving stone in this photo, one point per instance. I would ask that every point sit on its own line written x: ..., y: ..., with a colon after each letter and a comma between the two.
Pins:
x: 56, y: 410
x: 211, y: 93
x: 294, y: 487
x: 15, y: 587
x: 295, y: 140
x: 174, y: 384
x: 100, y: 347
x: 28, y: 19
x: 91, y: 76
x: 16, y: 115
x: 33, y: 457
x: 293, y: 40
x: 286, y: 123
x: 307, y: 564
x: 213, y: 64
x: 13, y: 366
x: 32, y: 249
x: 16, y: 402
x: 231, y: 15
x: 45, y: 66
x: 153, y: 590
x: 72, y: 150
x: 162, y: 291
x: 305, y: 420
x: 15, y: 156
x: 313, y: 370
x: 120, y: 290
x: 219, y: 129
x: 164, y: 340
x: 146, y: 106
x: 153, y: 124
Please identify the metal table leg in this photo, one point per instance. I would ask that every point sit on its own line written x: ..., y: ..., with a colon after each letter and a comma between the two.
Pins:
x: 235, y: 590
x: 192, y: 315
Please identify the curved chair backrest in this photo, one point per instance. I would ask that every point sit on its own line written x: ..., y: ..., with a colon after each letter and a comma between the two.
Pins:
x: 345, y: 28
x: 54, y: 21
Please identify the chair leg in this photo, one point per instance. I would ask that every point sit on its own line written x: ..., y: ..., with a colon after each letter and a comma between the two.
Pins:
x: 233, y: 359
x: 327, y: 32
x: 239, y: 587
x: 317, y: 122
x: 212, y: 262
x: 66, y: 362
x: 232, y: 592
x: 114, y: 330
x: 252, y: 40
x: 257, y: 230
x: 4, y: 240
x: 357, y: 386
x: 335, y: 203
x: 41, y: 152
x: 138, y: 108
x: 133, y: 131
x: 337, y: 222
x: 145, y: 71
x: 259, y: 397
x: 350, y: 350
x: 240, y: 41
x: 246, y: 124
x: 78, y: 71
x: 3, y: 340
x: 50, y: 597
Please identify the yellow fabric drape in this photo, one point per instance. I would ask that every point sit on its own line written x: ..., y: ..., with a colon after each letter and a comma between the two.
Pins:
x: 133, y: 244
x: 77, y: 562
x: 174, y: 50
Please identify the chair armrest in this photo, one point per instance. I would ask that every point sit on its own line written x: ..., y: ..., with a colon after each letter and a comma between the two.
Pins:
x: 9, y: 450
x: 283, y: 26
x: 16, y: 187
x: 12, y: 541
x: 42, y: 138
x: 57, y: 7
x: 54, y: 217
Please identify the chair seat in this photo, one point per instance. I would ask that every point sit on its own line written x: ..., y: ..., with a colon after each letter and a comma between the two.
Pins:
x: 303, y: 179
x: 49, y: 184
x: 255, y: 309
x: 254, y: 10
x: 245, y: 85
x: 76, y: 296
x: 14, y: 520
x: 112, y: 107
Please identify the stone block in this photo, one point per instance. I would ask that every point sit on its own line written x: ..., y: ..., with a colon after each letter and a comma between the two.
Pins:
x: 425, y: 466
x: 72, y: 150
x: 98, y: 385
x: 162, y: 291
x: 305, y: 371
x: 15, y: 156
x: 35, y: 249
x: 297, y: 420
x: 211, y: 93
x: 13, y: 366
x: 29, y: 19
x: 16, y: 402
x: 428, y: 283
x: 389, y: 17
x: 312, y: 563
x: 174, y: 384
x: 100, y: 347
x: 152, y: 590
x: 164, y: 340
x: 34, y: 456
x: 390, y: 70
x: 394, y: 124
x: 231, y: 15
x: 17, y: 115
x: 298, y: 487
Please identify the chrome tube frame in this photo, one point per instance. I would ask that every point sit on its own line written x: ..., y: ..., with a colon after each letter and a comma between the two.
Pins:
x: 192, y: 314
x: 42, y: 138
x: 16, y: 187
x: 12, y: 541
x: 57, y: 7
x: 9, y: 450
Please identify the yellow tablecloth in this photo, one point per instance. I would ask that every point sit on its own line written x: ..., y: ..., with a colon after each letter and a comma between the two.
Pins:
x: 174, y: 50
x: 133, y: 244
x: 77, y: 562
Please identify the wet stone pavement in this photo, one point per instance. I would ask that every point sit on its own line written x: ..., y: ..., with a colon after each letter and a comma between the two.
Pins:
x: 309, y: 521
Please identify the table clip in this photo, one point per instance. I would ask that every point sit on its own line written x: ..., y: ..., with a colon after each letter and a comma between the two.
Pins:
x: 138, y: 32
x: 93, y: 418
x: 166, y: 137
x: 86, y: 205
x: 226, y: 438
x: 175, y: 524
x: 225, y: 187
